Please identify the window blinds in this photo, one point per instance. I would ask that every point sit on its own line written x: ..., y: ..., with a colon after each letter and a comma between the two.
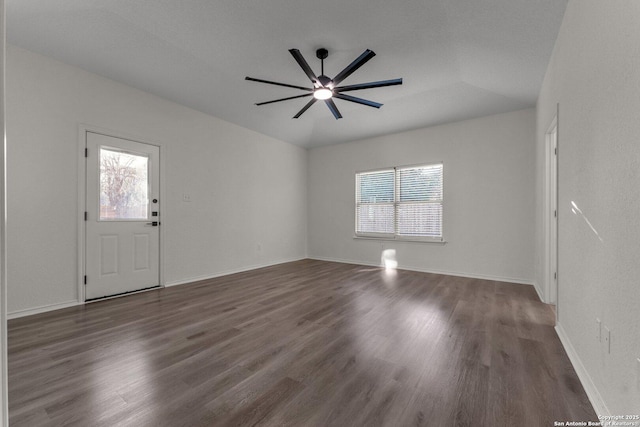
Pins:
x: 403, y: 202
x: 419, y: 201
x: 375, y: 197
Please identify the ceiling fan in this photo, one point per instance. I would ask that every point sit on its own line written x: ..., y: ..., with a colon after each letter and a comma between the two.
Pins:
x: 326, y: 89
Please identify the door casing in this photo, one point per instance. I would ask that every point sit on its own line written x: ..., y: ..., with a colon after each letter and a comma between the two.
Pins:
x: 552, y: 206
x: 550, y: 261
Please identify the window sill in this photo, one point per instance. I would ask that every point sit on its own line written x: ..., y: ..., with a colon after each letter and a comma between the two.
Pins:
x: 399, y: 239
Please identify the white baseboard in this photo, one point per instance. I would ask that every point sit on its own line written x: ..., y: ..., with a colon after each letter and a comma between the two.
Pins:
x: 58, y: 306
x: 535, y: 286
x: 587, y: 383
x: 227, y: 272
x: 41, y: 309
x: 427, y: 270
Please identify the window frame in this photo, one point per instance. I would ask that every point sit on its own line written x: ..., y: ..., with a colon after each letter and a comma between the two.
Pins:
x: 396, y: 202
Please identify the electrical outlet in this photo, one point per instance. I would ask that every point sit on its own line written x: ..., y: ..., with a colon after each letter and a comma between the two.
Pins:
x: 186, y: 197
x: 607, y: 339
x: 598, y: 330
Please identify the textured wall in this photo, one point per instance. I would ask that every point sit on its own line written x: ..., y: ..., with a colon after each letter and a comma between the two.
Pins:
x: 248, y: 191
x: 593, y: 75
x: 488, y: 197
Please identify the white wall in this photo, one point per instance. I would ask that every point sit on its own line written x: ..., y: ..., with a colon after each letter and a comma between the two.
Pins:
x: 593, y: 75
x: 489, y: 197
x: 246, y: 188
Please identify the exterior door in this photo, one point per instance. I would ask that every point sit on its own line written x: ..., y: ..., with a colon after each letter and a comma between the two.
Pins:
x: 122, y: 248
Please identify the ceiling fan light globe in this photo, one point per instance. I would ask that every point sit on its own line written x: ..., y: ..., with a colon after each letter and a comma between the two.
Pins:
x: 322, y: 93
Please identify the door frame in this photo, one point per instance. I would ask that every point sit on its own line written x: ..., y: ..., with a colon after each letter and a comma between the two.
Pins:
x: 550, y: 202
x: 82, y: 201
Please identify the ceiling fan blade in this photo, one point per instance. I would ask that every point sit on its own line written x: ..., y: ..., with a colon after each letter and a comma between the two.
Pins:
x: 370, y: 85
x: 333, y: 108
x: 359, y: 62
x: 303, y: 64
x: 279, y: 84
x: 284, y: 99
x: 358, y: 100
x: 305, y: 108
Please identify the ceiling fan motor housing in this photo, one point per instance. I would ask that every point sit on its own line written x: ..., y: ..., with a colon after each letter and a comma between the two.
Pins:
x: 324, y: 80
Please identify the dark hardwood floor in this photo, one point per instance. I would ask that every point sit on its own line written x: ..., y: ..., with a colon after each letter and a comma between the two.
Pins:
x: 307, y: 343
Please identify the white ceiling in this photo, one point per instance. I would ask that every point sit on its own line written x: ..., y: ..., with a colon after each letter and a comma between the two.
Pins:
x: 459, y: 58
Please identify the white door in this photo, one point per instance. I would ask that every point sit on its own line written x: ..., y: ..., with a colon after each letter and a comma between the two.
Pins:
x: 122, y: 248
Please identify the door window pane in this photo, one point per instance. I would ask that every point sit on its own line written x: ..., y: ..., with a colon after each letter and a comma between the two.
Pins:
x: 124, y: 185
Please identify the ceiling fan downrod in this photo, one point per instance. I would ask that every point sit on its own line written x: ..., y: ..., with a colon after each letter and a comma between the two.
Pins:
x: 322, y: 54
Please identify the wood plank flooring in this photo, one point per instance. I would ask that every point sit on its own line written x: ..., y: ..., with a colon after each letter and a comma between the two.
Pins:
x: 308, y: 343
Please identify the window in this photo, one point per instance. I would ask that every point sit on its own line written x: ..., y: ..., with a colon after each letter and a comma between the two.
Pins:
x: 124, y: 185
x: 400, y: 203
